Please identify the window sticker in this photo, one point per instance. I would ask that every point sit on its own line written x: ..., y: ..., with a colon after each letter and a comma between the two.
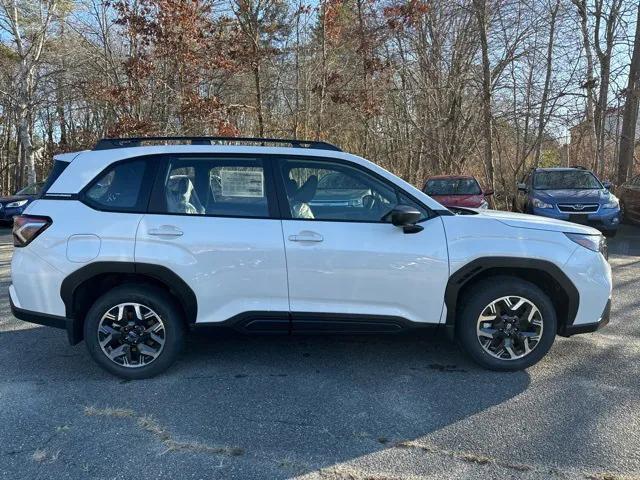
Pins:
x: 242, y: 183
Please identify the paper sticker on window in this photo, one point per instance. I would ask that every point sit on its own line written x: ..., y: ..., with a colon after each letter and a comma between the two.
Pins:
x: 242, y: 183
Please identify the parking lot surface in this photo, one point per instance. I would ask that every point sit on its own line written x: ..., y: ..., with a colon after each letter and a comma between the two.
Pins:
x: 326, y: 407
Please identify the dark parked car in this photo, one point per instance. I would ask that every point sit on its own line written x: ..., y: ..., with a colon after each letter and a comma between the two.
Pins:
x: 574, y: 194
x: 457, y: 191
x: 13, y: 205
x: 630, y: 200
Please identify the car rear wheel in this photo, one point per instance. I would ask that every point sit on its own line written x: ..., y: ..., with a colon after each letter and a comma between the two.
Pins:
x: 134, y: 331
x: 506, y: 323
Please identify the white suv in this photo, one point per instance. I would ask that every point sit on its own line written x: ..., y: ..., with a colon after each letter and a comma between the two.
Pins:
x: 130, y: 246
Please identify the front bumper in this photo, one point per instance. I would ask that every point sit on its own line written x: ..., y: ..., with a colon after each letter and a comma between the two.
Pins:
x: 607, y: 219
x: 568, y: 330
x: 7, y: 214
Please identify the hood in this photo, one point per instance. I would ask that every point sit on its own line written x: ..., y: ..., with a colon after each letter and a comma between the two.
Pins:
x: 521, y: 220
x: 572, y: 196
x: 15, y: 198
x: 469, y: 201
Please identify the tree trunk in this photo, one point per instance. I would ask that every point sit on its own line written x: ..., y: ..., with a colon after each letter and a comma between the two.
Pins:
x: 487, y: 127
x: 547, y: 83
x: 590, y: 82
x: 256, y: 77
x: 630, y: 118
x: 25, y: 137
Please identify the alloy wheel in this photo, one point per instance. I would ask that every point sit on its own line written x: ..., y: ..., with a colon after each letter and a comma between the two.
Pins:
x: 510, y: 327
x: 131, y: 335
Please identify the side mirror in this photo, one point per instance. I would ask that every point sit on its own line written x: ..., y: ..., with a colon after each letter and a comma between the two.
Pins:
x: 522, y: 187
x: 607, y: 184
x: 487, y: 192
x: 406, y: 217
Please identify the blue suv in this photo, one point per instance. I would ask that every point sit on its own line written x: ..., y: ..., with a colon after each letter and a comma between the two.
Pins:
x: 13, y: 205
x: 574, y: 194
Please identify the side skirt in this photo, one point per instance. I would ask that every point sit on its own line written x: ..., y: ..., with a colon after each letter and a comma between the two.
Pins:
x: 311, y: 323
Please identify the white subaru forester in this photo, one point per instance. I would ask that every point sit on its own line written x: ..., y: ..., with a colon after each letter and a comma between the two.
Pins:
x: 131, y: 245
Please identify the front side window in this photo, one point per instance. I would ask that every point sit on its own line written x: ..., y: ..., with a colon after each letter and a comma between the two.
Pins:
x: 221, y: 187
x: 323, y: 190
x: 566, y: 180
x: 119, y: 188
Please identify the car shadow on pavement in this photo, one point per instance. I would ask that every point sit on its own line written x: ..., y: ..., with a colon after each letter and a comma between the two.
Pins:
x: 291, y: 405
x: 626, y: 242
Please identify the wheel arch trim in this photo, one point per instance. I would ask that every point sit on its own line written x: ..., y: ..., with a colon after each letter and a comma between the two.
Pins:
x: 162, y: 274
x: 473, y: 269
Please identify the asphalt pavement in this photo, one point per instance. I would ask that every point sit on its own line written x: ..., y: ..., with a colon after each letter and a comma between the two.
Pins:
x: 367, y: 407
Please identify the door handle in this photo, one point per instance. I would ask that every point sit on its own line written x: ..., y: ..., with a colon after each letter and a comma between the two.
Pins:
x: 166, y: 231
x: 306, y: 237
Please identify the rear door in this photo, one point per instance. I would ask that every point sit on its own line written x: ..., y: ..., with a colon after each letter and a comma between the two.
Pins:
x: 213, y: 221
x: 349, y: 268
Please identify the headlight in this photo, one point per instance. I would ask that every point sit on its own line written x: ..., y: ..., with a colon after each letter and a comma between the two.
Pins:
x: 595, y: 243
x: 484, y: 205
x: 540, y: 204
x: 612, y: 203
x: 19, y: 203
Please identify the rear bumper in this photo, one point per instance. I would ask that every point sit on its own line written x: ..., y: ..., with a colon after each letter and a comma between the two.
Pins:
x: 47, y: 320
x: 569, y: 330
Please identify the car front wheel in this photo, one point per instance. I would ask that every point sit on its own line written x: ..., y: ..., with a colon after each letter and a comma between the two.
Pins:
x: 506, y: 323
x: 134, y: 331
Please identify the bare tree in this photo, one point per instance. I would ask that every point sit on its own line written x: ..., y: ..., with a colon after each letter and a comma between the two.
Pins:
x: 29, y: 28
x: 480, y: 8
x: 547, y: 81
x: 630, y: 119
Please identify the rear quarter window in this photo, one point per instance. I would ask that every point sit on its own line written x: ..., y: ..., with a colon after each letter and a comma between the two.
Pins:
x: 56, y: 170
x: 120, y: 188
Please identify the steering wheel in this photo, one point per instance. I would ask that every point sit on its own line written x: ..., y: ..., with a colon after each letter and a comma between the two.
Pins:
x: 369, y: 202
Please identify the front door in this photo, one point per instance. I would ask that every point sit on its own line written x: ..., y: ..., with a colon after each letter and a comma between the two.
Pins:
x: 348, y: 267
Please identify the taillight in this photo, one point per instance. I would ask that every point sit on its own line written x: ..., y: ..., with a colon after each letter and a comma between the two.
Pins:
x: 28, y: 227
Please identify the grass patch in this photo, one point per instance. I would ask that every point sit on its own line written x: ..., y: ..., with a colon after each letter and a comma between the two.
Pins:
x: 42, y: 456
x: 108, y: 412
x: 149, y: 424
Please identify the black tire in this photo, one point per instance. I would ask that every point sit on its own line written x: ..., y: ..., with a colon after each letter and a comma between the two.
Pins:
x: 477, y: 300
x: 152, y: 297
x: 610, y: 233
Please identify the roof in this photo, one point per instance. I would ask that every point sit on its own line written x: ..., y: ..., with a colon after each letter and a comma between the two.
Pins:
x: 561, y: 169
x: 86, y: 165
x: 111, y: 143
x: 451, y: 177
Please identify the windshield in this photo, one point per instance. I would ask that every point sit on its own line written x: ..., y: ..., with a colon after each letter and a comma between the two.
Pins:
x: 566, y: 180
x: 452, y: 186
x: 32, y: 189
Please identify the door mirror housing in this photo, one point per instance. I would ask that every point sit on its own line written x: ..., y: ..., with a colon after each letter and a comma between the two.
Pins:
x: 488, y: 192
x: 607, y: 184
x: 406, y: 217
x: 522, y: 187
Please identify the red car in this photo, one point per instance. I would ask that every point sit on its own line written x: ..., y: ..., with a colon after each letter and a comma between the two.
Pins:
x: 457, y: 191
x: 629, y: 194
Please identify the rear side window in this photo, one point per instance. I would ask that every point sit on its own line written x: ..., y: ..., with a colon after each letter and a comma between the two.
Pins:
x: 119, y: 188
x: 233, y: 187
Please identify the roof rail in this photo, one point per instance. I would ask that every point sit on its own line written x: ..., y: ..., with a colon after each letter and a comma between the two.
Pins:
x: 109, y: 143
